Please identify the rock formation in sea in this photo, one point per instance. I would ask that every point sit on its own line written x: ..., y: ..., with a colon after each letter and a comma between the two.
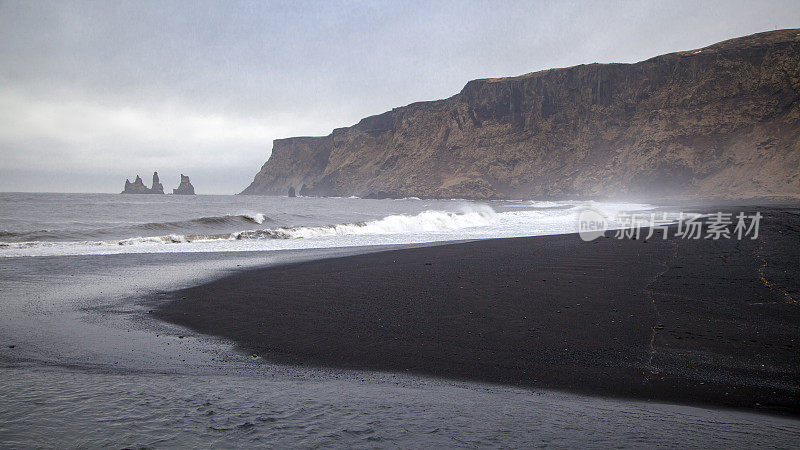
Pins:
x: 157, y: 188
x: 185, y: 188
x: 292, y: 192
x: 138, y: 187
x: 719, y: 121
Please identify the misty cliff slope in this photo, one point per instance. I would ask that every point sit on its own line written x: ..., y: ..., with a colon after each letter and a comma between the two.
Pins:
x: 722, y: 121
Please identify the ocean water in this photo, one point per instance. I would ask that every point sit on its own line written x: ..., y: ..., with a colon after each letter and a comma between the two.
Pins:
x: 84, y: 224
x: 82, y: 363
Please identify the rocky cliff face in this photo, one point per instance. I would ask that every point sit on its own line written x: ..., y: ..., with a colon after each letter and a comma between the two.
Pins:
x: 138, y: 187
x: 185, y: 188
x: 721, y: 121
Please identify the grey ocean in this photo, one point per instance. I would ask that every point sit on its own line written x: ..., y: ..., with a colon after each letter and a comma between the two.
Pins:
x: 82, y: 364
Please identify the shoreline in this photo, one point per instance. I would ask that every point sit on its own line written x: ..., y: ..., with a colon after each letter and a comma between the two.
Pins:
x: 698, y: 322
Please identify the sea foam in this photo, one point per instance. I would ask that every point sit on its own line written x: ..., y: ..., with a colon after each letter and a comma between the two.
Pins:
x: 426, y: 221
x: 463, y: 221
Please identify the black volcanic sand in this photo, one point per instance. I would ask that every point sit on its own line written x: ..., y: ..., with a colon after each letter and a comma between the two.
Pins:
x: 690, y: 321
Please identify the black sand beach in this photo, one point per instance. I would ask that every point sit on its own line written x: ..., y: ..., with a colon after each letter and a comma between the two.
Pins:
x: 689, y: 321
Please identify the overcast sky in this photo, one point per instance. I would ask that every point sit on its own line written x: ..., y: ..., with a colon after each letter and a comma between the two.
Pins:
x: 92, y: 93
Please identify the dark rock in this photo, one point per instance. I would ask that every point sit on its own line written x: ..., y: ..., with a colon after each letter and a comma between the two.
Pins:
x: 138, y: 187
x: 381, y: 195
x: 157, y: 188
x: 185, y: 188
x: 291, y: 192
x: 721, y: 121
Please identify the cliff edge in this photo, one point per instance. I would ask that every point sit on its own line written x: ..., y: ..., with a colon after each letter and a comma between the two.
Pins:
x: 721, y: 121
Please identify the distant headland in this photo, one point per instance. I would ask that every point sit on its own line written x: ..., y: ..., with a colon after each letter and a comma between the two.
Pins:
x: 138, y: 187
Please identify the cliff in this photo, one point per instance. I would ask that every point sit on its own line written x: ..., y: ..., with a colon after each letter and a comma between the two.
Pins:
x: 138, y: 187
x: 721, y: 121
x: 185, y: 187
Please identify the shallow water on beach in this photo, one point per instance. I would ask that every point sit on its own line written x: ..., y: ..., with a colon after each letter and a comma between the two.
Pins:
x: 89, y: 367
x: 66, y: 408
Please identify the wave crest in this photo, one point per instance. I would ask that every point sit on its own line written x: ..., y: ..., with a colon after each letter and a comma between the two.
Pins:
x: 256, y: 218
x: 426, y: 221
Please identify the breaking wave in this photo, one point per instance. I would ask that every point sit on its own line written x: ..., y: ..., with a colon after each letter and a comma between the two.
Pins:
x: 172, y: 227
x: 256, y: 218
x: 426, y: 221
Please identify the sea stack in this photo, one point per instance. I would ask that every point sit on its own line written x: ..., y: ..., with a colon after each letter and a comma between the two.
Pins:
x: 138, y: 187
x: 185, y: 188
x: 292, y: 192
x: 157, y: 188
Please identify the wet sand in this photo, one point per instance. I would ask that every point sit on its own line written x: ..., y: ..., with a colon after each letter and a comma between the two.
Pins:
x: 688, y: 321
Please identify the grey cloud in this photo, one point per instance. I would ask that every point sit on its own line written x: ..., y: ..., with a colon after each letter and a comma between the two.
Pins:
x: 109, y: 86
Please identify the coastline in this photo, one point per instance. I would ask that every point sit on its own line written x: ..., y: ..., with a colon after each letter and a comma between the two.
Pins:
x: 697, y: 322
